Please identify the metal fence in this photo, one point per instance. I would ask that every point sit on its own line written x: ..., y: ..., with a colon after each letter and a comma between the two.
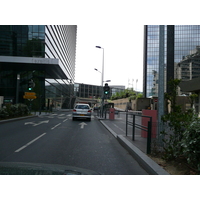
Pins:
x: 130, y: 121
x: 153, y: 140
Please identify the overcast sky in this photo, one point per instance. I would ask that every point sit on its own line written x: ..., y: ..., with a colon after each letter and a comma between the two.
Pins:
x: 123, y: 53
x: 115, y: 25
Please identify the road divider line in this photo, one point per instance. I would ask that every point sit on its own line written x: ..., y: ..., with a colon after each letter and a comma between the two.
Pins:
x: 56, y: 126
x: 18, y: 150
x: 65, y: 120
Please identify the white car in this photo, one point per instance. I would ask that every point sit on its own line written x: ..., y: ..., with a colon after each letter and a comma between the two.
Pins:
x: 82, y: 111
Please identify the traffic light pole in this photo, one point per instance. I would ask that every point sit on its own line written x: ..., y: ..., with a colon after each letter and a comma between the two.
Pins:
x: 17, y: 89
x: 102, y: 105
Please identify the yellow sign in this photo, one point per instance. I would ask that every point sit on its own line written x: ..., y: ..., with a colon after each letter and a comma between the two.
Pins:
x: 29, y: 95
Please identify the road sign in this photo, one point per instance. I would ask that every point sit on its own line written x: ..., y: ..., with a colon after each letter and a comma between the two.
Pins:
x: 29, y: 95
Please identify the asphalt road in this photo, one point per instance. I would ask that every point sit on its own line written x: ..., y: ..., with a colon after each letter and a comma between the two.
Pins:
x: 56, y: 139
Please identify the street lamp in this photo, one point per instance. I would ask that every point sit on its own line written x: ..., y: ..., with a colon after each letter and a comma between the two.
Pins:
x: 107, y: 81
x: 102, y: 72
x: 102, y: 76
x: 97, y: 70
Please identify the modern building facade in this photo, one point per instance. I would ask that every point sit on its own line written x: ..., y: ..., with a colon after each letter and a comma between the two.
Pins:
x: 87, y: 91
x: 94, y: 91
x: 42, y: 53
x: 181, y: 55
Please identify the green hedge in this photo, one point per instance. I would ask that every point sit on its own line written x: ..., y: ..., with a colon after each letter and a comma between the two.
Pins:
x: 17, y: 110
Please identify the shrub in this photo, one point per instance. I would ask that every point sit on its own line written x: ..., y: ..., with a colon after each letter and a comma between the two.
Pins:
x: 3, y: 113
x: 16, y: 110
x: 190, y: 144
x: 183, y: 138
x: 177, y: 122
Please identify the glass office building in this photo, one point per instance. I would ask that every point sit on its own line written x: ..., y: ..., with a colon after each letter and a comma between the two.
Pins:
x: 94, y: 91
x: 42, y: 53
x: 87, y: 91
x: 181, y: 55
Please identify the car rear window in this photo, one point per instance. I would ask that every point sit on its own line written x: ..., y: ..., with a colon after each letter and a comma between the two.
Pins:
x: 82, y: 107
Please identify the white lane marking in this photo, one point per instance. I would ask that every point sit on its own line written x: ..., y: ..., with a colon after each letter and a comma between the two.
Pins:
x: 82, y: 124
x: 65, y: 120
x: 18, y: 150
x: 56, y: 126
x: 61, y: 115
x: 29, y: 123
x: 47, y: 121
x: 34, y: 124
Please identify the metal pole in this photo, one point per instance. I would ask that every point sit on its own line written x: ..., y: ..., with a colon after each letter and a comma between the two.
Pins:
x: 161, y: 79
x: 17, y: 88
x: 133, y: 130
x: 102, y: 73
x: 126, y: 123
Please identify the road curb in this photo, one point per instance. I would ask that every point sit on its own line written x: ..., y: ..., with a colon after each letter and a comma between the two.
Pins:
x: 110, y: 130
x: 147, y: 163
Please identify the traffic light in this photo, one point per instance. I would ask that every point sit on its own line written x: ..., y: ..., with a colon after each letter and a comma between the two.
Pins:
x: 31, y: 85
x: 106, y: 89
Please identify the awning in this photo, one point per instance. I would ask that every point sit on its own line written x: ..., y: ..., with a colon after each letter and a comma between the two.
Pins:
x: 49, y: 65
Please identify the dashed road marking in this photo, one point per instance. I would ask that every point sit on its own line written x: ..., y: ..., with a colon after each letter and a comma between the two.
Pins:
x: 55, y: 126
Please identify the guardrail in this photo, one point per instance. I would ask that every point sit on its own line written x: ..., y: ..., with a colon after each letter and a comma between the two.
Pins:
x: 147, y: 128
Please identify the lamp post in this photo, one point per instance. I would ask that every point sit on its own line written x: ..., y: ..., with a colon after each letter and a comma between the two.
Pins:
x: 102, y: 71
x: 102, y: 77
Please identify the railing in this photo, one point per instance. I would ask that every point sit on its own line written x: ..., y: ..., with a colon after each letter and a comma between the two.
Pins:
x: 147, y: 128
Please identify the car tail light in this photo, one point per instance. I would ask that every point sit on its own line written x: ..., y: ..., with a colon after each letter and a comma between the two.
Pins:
x: 74, y: 110
x: 89, y: 110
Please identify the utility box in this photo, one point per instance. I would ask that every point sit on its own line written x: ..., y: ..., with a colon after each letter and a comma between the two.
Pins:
x: 111, y: 113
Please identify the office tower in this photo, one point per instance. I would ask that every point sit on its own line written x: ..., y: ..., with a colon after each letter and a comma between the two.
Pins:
x: 181, y: 55
x: 44, y: 54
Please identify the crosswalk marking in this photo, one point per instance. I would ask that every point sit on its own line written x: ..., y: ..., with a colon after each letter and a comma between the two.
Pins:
x: 59, y: 116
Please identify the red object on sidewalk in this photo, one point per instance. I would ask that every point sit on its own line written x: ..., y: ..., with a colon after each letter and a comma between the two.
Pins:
x: 153, y: 114
x: 112, y: 113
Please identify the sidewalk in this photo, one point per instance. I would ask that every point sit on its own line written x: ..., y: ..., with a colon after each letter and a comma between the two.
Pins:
x: 136, y: 148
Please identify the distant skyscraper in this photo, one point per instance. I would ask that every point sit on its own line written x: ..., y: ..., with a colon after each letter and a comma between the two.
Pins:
x: 182, y: 55
x: 43, y: 53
